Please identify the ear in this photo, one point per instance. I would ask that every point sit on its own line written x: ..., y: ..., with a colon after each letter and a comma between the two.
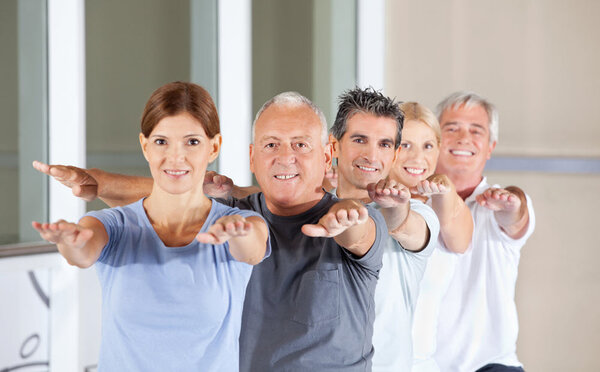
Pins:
x: 492, y: 147
x: 335, y: 146
x: 144, y: 143
x: 328, y: 156
x: 396, y: 153
x: 252, y: 158
x: 215, y: 144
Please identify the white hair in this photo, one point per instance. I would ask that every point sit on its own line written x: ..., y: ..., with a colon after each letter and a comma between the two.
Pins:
x: 470, y: 99
x: 293, y: 99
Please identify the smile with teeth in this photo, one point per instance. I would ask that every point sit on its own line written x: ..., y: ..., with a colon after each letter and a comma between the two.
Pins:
x: 366, y: 169
x: 176, y: 172
x: 285, y: 176
x: 462, y: 152
x: 417, y: 171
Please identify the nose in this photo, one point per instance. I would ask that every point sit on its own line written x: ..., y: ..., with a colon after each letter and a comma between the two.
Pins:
x: 176, y: 153
x: 286, y: 155
x: 370, y: 152
x: 463, y: 136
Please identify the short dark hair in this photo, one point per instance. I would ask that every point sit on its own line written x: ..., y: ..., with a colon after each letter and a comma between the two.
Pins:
x: 369, y: 101
x: 180, y: 97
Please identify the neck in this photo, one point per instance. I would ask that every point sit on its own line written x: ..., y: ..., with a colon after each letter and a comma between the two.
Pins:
x: 465, y: 185
x: 282, y: 209
x: 346, y: 190
x: 177, y: 212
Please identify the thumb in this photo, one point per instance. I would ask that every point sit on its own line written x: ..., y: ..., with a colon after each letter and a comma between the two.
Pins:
x: 315, y: 230
x: 206, y: 238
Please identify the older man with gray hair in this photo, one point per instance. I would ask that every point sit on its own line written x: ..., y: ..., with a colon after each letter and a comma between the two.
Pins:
x: 477, y: 325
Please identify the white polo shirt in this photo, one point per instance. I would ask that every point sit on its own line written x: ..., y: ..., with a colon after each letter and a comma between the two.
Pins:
x: 466, y: 315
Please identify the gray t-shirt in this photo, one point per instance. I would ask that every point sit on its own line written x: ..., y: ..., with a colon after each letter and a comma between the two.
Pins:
x: 309, y: 306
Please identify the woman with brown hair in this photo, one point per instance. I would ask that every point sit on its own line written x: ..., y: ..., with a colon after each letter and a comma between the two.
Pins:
x: 173, y: 266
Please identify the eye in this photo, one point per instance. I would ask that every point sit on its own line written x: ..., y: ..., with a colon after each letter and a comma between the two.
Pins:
x: 358, y: 140
x: 160, y: 141
x: 405, y: 145
x: 449, y: 129
x: 428, y: 146
x: 301, y: 146
x: 386, y: 145
x: 270, y: 145
x: 193, y: 142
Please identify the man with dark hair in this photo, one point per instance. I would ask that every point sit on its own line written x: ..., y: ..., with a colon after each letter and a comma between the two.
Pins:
x: 365, y: 139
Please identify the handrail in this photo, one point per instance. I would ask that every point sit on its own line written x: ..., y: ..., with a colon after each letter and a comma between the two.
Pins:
x: 23, y: 249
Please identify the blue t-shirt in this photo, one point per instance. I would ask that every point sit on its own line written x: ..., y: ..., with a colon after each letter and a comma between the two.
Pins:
x: 309, y: 307
x: 165, y: 308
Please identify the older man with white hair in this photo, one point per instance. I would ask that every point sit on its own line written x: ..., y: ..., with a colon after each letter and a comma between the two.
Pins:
x: 466, y: 317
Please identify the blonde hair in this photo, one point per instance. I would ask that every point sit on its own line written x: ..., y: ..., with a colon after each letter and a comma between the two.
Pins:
x: 418, y: 112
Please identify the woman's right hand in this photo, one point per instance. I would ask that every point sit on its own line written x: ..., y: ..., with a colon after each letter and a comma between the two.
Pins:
x: 64, y: 233
x: 436, y: 184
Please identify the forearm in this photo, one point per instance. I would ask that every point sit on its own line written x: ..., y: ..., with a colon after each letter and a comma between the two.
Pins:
x: 412, y: 233
x: 118, y: 190
x: 514, y: 223
x: 456, y: 223
x: 250, y: 248
x: 241, y: 192
x: 358, y: 239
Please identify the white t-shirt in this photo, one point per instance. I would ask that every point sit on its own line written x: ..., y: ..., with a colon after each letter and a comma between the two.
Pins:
x: 395, y: 297
x: 466, y: 315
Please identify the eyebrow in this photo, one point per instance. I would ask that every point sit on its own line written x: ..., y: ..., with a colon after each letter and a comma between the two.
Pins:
x: 360, y: 135
x: 295, y: 138
x: 186, y: 136
x: 469, y: 124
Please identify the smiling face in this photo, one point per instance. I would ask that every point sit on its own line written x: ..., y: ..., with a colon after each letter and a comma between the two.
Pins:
x: 288, y: 158
x: 365, y: 153
x: 178, y: 152
x: 465, y: 144
x: 418, y: 154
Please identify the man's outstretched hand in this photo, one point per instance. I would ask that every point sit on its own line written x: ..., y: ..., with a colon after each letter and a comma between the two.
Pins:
x: 81, y: 183
x: 339, y: 218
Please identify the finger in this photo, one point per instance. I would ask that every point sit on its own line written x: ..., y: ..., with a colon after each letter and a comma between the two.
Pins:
x: 41, y: 167
x: 341, y: 218
x: 206, y: 238
x: 315, y: 230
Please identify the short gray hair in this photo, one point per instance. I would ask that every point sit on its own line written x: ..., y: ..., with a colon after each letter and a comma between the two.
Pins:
x: 293, y: 99
x: 470, y: 99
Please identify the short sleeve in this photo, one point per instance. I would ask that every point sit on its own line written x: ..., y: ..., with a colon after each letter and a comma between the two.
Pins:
x: 113, y: 220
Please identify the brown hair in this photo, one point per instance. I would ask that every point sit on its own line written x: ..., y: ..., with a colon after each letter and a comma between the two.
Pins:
x: 179, y: 97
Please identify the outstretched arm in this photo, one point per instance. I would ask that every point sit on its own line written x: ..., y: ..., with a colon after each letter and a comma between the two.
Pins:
x: 220, y: 186
x: 114, y: 189
x: 247, y: 237
x: 406, y: 226
x: 456, y: 223
x: 81, y: 244
x: 510, y: 207
x: 348, y: 222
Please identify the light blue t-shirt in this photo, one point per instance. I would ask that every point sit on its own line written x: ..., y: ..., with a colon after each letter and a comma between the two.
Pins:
x: 396, y: 297
x: 165, y: 308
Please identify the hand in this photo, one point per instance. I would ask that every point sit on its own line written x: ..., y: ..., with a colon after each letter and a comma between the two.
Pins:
x: 330, y: 181
x: 63, y: 232
x: 339, y: 218
x: 217, y: 186
x: 225, y: 228
x: 81, y: 183
x: 436, y: 184
x: 388, y: 193
x: 499, y: 200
